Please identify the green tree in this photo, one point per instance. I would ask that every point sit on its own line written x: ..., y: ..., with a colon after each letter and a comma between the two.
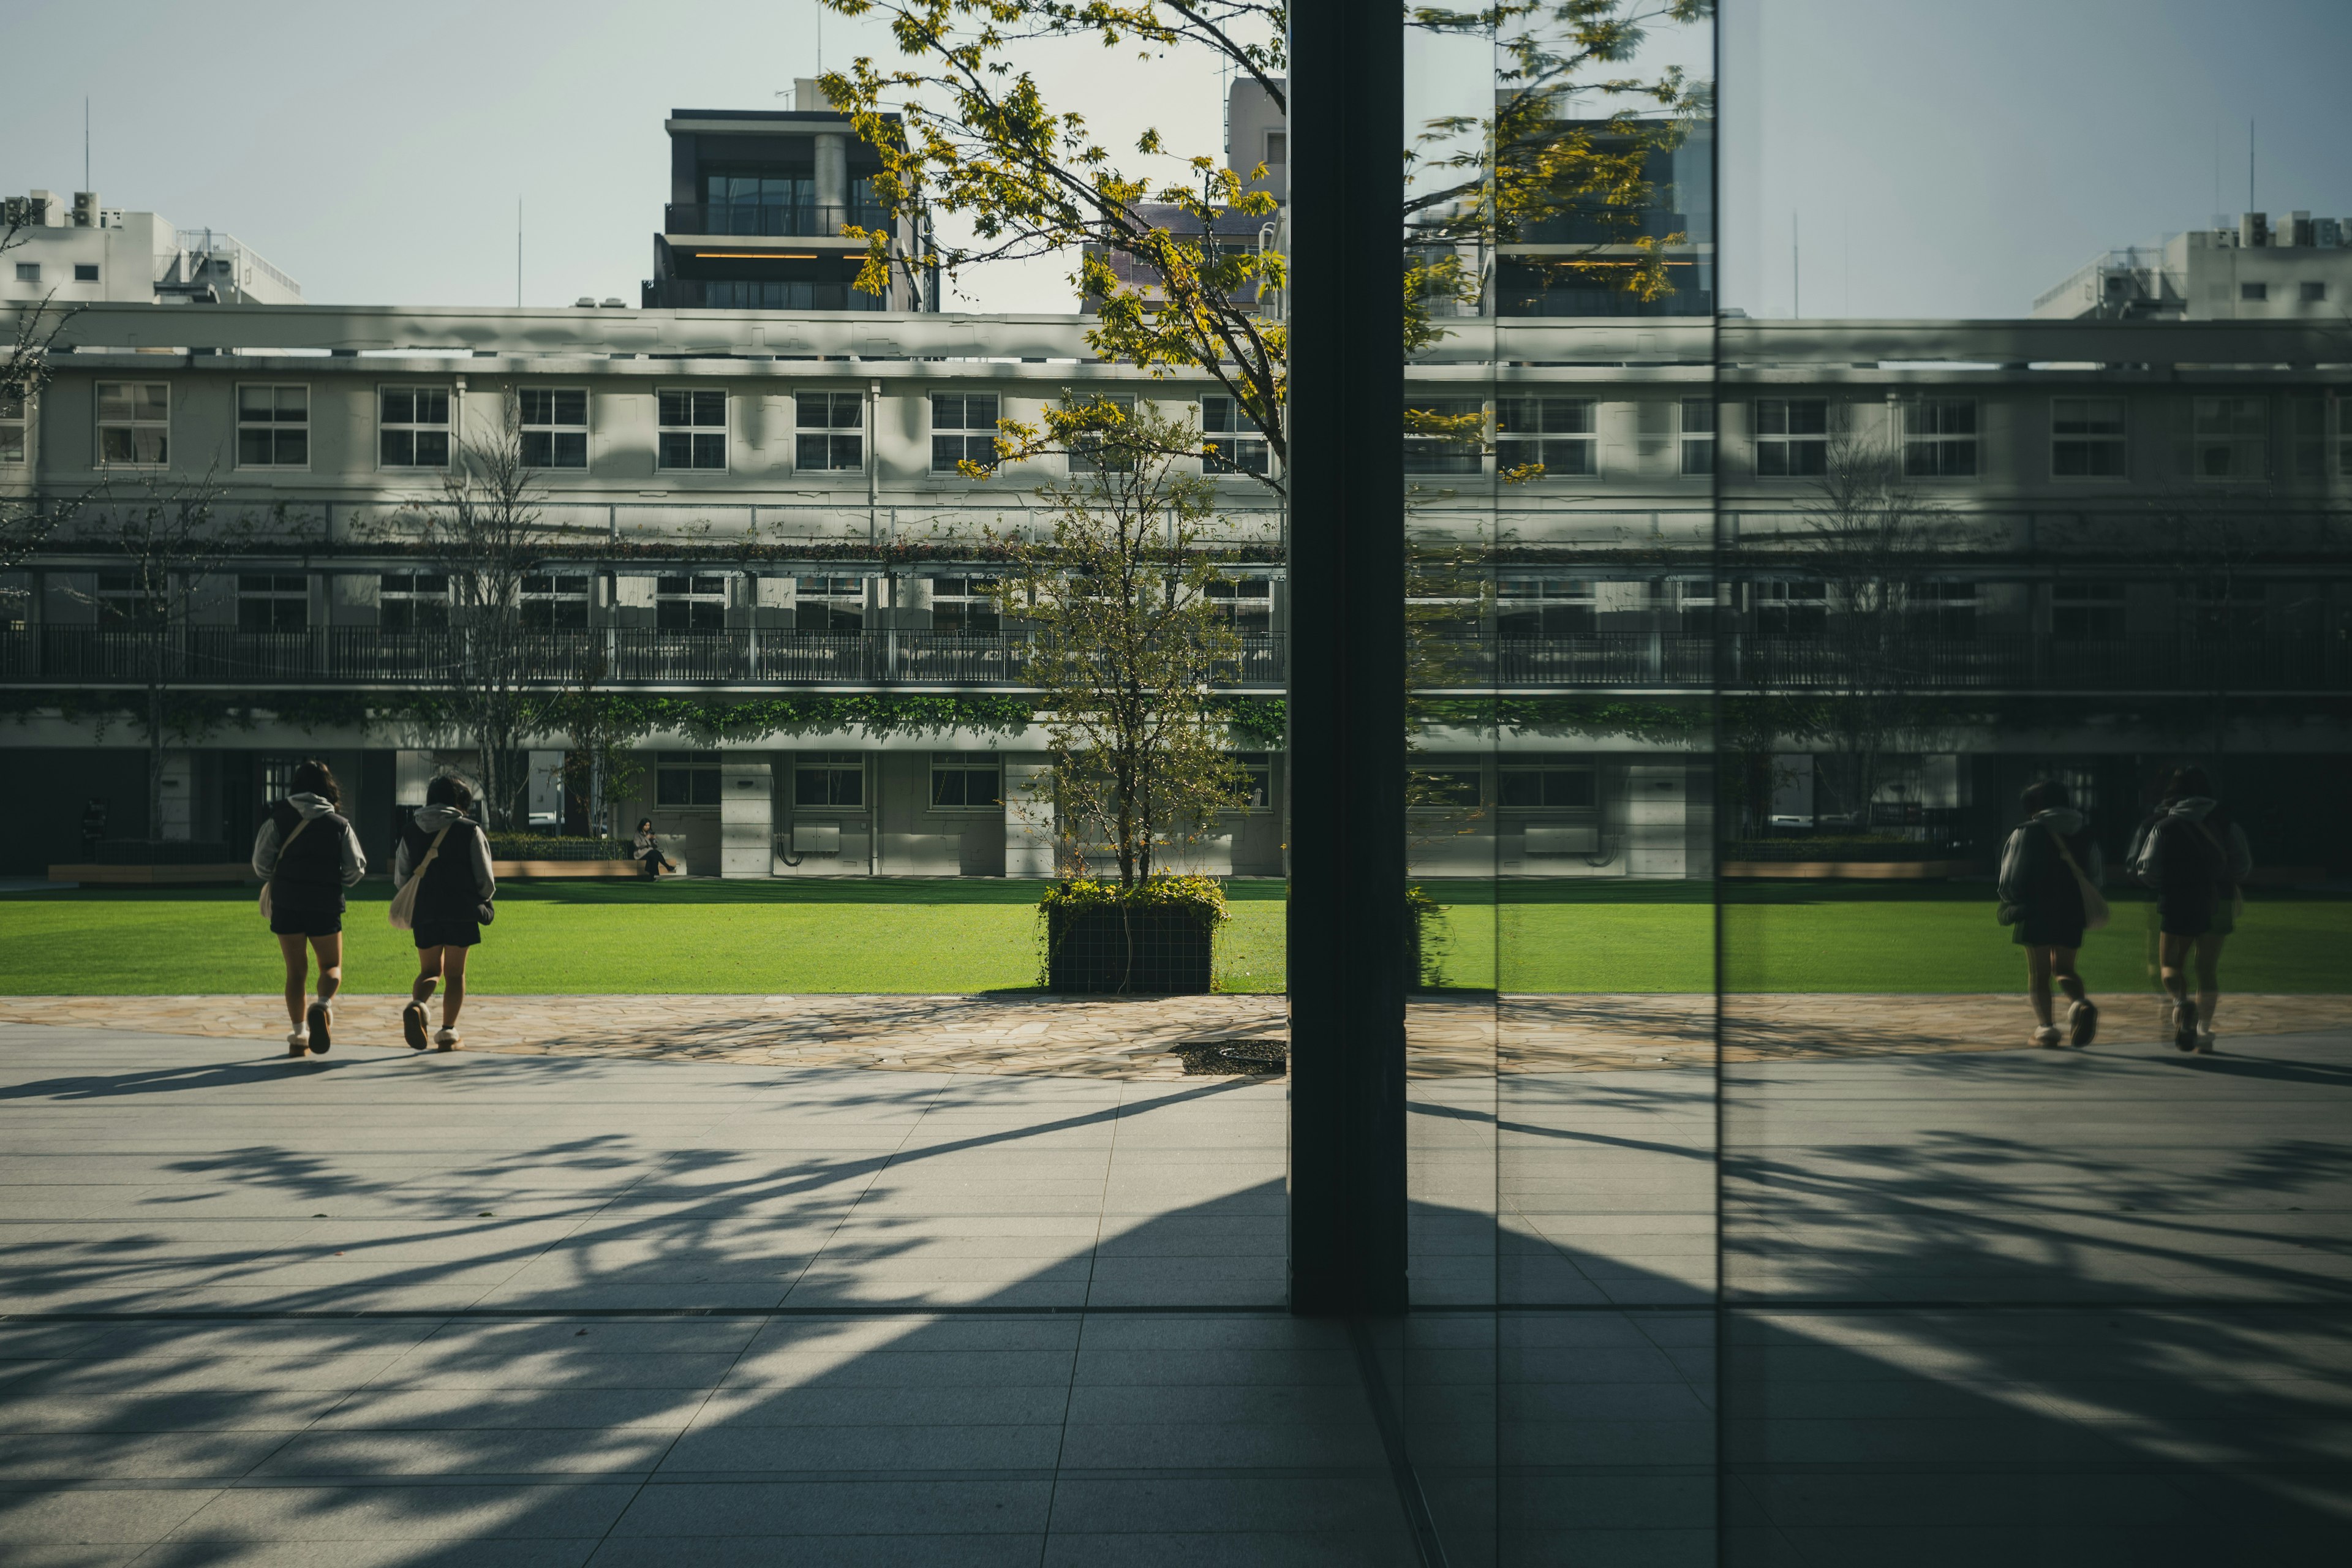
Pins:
x: 1125, y: 644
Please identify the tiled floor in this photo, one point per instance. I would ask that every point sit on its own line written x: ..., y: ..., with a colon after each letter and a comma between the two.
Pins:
x: 466, y: 1309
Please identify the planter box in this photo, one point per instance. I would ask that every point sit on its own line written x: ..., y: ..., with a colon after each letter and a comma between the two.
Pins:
x: 153, y: 876
x: 1160, y: 952
x: 541, y: 870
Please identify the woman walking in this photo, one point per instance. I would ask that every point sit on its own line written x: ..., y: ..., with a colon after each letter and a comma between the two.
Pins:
x: 2195, y: 859
x: 2044, y: 867
x: 648, y: 851
x: 448, y: 850
x: 308, y: 854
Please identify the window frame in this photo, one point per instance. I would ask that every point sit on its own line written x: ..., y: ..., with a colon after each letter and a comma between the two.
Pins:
x: 273, y: 589
x: 1788, y: 442
x: 1080, y: 458
x: 965, y: 601
x: 552, y: 428
x: 2089, y: 440
x: 414, y: 428
x: 275, y: 426
x: 700, y: 438
x: 1227, y: 443
x: 2094, y: 600
x: 551, y: 594
x: 963, y: 766
x: 691, y: 601
x: 1580, y: 436
x: 1510, y: 770
x: 1545, y: 597
x: 966, y: 434
x: 831, y: 433
x: 411, y: 597
x: 1441, y: 457
x: 1931, y: 451
x: 16, y: 417
x: 832, y: 766
x: 134, y: 424
x: 1705, y: 441
x: 2237, y: 441
x: 695, y: 767
x: 825, y: 589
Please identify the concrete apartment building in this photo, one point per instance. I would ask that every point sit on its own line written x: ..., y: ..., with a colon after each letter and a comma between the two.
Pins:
x: 86, y: 253
x: 2297, y: 269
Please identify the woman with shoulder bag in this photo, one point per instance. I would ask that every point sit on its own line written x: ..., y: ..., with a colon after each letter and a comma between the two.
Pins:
x: 446, y: 855
x: 2050, y: 873
x: 2195, y: 859
x: 305, y: 854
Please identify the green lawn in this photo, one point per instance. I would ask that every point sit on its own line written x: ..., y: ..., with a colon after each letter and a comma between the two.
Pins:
x: 962, y: 936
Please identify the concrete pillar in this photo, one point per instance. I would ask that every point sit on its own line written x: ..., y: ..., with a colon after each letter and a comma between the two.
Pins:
x: 1028, y: 818
x: 746, y: 818
x: 179, y: 798
x: 1655, y: 803
x: 831, y: 182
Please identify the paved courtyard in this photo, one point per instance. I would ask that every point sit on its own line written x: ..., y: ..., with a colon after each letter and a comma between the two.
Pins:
x: 510, y: 1307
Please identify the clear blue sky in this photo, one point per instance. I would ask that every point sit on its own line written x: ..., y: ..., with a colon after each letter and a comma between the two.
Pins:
x: 1944, y: 157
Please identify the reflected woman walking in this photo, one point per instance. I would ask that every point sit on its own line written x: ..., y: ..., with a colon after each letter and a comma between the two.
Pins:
x: 305, y: 854
x: 2195, y: 859
x: 2050, y: 872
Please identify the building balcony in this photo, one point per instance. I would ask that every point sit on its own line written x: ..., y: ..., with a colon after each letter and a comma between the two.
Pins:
x: 1467, y: 665
x: 804, y: 220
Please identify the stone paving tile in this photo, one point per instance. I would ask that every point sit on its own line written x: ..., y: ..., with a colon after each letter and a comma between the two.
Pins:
x: 1134, y: 1039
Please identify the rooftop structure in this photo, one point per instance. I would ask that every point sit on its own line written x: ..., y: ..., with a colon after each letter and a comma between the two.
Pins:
x: 2299, y: 269
x: 85, y: 252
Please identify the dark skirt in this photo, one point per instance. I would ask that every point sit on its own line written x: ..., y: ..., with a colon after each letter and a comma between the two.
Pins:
x: 2199, y: 913
x: 448, y: 934
x: 2048, y: 929
x: 304, y: 922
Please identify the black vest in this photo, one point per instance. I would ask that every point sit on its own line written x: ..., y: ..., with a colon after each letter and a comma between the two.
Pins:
x: 310, y: 875
x: 448, y: 892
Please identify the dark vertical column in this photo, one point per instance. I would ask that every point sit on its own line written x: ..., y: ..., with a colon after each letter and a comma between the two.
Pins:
x: 1347, y: 695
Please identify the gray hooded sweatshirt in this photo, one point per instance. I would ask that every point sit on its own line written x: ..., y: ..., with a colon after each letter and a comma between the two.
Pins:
x: 267, y: 844
x: 430, y: 820
x: 2029, y: 846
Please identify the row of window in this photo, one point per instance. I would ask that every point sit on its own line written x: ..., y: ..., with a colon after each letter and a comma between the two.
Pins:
x: 415, y: 429
x: 83, y: 272
x: 960, y: 781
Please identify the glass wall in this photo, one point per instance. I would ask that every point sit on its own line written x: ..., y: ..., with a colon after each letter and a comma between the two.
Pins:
x: 1881, y: 1073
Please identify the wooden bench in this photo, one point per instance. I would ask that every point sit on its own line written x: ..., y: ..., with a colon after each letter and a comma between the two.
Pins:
x: 153, y: 876
x: 548, y: 870
x: 1856, y: 870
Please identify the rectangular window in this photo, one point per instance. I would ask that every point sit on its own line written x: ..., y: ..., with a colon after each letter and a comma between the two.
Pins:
x: 558, y: 602
x: 1255, y: 783
x: 1245, y: 604
x: 1444, y: 787
x: 2314, y: 293
x: 829, y: 603
x: 693, y: 430
x: 413, y: 601
x: 1232, y: 444
x: 1792, y: 437
x: 1547, y: 785
x: 829, y: 778
x: 1939, y: 438
x: 2086, y: 612
x: 1943, y: 609
x: 2307, y: 429
x: 555, y: 422
x: 273, y: 426
x: 686, y: 778
x: 1544, y: 607
x: 11, y: 429
x: 85, y: 272
x: 123, y: 602
x: 2231, y: 437
x: 690, y: 603
x: 1698, y: 436
x: 412, y: 428
x: 831, y: 431
x: 2222, y: 610
x: 267, y: 602
x: 963, y: 605
x: 134, y: 424
x: 1556, y: 432
x: 963, y: 430
x: 2253, y: 291
x: 1445, y: 436
x: 2086, y: 439
x: 961, y: 780
x: 1086, y: 455
x: 28, y: 272
x: 1792, y: 609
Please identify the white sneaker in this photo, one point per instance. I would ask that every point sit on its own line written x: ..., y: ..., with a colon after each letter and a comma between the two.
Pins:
x: 2204, y: 1041
x: 447, y: 1040
x: 2047, y: 1038
x: 298, y: 1042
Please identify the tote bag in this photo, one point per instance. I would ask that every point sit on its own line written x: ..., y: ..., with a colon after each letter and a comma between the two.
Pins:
x: 402, y: 913
x: 267, y: 903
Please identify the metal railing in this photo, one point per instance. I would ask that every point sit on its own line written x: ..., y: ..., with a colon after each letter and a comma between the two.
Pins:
x: 800, y: 220
x: 745, y: 656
